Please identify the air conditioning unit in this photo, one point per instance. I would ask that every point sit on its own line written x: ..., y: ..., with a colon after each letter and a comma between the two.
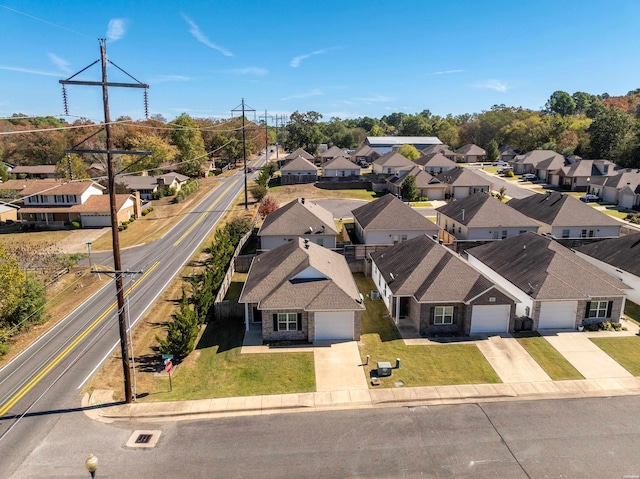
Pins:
x: 375, y: 294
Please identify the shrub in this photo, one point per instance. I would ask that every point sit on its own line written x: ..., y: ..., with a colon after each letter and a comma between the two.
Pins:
x: 508, y: 174
x: 75, y: 225
x: 267, y: 205
x: 259, y: 192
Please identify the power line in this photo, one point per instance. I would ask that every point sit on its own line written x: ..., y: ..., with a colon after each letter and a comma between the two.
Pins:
x: 44, y: 21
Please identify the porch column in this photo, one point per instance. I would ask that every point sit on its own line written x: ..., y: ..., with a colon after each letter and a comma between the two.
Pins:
x: 624, y: 301
x: 246, y: 316
x: 397, y: 310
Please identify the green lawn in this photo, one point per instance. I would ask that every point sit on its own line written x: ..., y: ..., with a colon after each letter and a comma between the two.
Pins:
x: 616, y: 212
x: 626, y: 351
x: 549, y: 359
x: 421, y: 204
x: 221, y: 371
x: 632, y: 311
x: 235, y: 288
x: 441, y: 364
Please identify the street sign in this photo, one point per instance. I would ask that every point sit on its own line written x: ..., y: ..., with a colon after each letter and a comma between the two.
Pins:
x: 168, y: 366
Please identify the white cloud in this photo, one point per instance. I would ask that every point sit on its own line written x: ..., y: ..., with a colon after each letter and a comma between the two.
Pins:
x: 248, y: 71
x: 445, y: 72
x: 116, y: 29
x: 60, y: 63
x: 376, y: 99
x: 202, y: 38
x: 314, y: 92
x: 295, y: 62
x: 28, y: 70
x: 496, y: 85
x: 169, y: 78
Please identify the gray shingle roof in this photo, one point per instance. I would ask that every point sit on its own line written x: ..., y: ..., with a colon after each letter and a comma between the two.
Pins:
x: 430, y: 272
x: 299, y: 152
x: 332, y: 152
x: 393, y: 159
x: 301, y: 276
x: 622, y: 253
x: 340, y: 163
x: 435, y: 160
x: 442, y: 149
x: 558, y: 209
x: 536, y: 156
x: 389, y: 213
x: 482, y: 210
x: 423, y: 179
x: 471, y: 149
x: 620, y: 179
x: 299, y: 164
x: 460, y: 176
x: 544, y: 269
x: 295, y: 218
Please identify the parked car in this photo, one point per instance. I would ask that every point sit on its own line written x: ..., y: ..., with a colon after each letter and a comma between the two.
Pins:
x: 499, y: 163
x: 590, y: 198
x: 364, y: 164
x: 504, y: 169
x: 529, y: 177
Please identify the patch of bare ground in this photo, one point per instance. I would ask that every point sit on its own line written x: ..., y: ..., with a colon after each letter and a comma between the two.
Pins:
x: 285, y: 194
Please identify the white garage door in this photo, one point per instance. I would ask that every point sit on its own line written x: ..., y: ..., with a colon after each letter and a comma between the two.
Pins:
x: 558, y: 315
x: 490, y: 319
x: 334, y: 325
x: 92, y: 221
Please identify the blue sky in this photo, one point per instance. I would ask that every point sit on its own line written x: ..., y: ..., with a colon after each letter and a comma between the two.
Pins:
x: 347, y: 58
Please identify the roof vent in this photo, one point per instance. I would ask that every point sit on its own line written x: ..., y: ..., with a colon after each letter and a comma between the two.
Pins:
x: 310, y: 229
x: 302, y: 200
x: 306, y: 244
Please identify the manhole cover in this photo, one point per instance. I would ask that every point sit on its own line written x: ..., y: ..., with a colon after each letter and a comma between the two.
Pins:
x: 144, y: 439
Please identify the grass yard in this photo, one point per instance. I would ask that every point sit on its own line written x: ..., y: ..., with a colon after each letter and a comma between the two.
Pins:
x: 549, y: 359
x: 35, y: 238
x: 626, y: 351
x: 217, y: 369
x: 616, y: 212
x: 235, y: 288
x: 435, y: 365
x: 632, y: 311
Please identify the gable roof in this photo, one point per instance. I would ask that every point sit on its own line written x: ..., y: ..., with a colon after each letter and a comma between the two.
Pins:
x: 332, y: 152
x: 507, y: 150
x: 442, y: 149
x: 299, y: 152
x: 34, y: 169
x: 621, y: 178
x: 296, y: 217
x: 59, y: 188
x: 471, y: 149
x: 430, y: 272
x: 402, y: 140
x: 137, y: 182
x: 587, y: 168
x: 435, y: 160
x: 552, y: 163
x: 480, y: 210
x: 536, y: 156
x: 389, y: 213
x: 460, y: 176
x: 19, y: 185
x: 94, y: 204
x: 393, y: 159
x: 273, y: 280
x: 622, y: 253
x: 558, y: 209
x: 365, y: 150
x: 299, y: 164
x: 340, y: 163
x: 423, y: 179
x: 545, y: 269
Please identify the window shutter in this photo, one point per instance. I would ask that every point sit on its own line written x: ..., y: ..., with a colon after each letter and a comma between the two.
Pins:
x: 299, y: 321
x: 432, y: 315
x: 455, y: 314
x: 587, y: 309
x: 275, y: 322
x: 609, y: 308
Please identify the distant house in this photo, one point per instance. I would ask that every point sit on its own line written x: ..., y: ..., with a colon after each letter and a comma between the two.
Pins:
x: 302, y: 291
x: 365, y: 153
x: 564, y: 217
x: 470, y: 153
x: 388, y: 221
x: 295, y: 154
x: 331, y: 153
x: 147, y: 185
x: 435, y: 163
x: 545, y: 169
x: 12, y: 188
x: 340, y: 166
x: 428, y: 186
x: 298, y: 219
x: 299, y: 170
x: 37, y: 171
x: 555, y: 287
x: 528, y: 162
x: 444, y: 150
x: 463, y: 182
x: 482, y: 217
x: 507, y: 153
x: 622, y: 188
x: 392, y: 163
x: 385, y: 144
x: 429, y: 289
x: 578, y: 175
x: 96, y: 170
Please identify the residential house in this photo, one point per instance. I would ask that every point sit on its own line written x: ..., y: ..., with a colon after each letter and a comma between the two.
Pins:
x: 97, y: 170
x: 565, y: 217
x: 622, y: 188
x: 429, y: 289
x: 444, y: 150
x: 435, y: 163
x: 528, y: 162
x: 331, y: 153
x: 555, y: 287
x: 463, y: 182
x: 35, y: 172
x: 298, y: 219
x: 365, y: 153
x: 385, y: 144
x: 302, y: 291
x: 295, y: 154
x: 507, y: 153
x: 470, y: 154
x: 546, y: 168
x: 388, y: 221
x: 340, y: 166
x: 577, y: 176
x: 11, y: 188
x: 618, y: 257
x: 299, y: 170
x: 392, y: 163
x: 147, y: 185
x: 428, y: 186
x: 480, y: 217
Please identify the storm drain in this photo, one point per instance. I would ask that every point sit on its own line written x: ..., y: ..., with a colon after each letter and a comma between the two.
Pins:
x: 144, y: 439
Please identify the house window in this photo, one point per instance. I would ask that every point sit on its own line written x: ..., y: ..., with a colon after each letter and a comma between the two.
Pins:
x: 71, y: 198
x: 583, y: 234
x: 566, y: 233
x: 598, y: 309
x: 504, y: 234
x: 443, y: 315
x: 522, y: 232
x: 403, y: 237
x: 59, y: 199
x: 495, y: 234
x: 591, y: 234
x: 287, y: 322
x: 44, y: 198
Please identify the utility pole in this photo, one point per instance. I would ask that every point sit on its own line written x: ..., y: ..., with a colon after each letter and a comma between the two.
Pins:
x: 243, y: 109
x: 266, y: 134
x: 122, y: 319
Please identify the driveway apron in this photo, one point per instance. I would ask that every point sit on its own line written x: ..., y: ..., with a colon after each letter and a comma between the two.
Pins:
x: 511, y: 361
x: 339, y: 367
x: 591, y: 361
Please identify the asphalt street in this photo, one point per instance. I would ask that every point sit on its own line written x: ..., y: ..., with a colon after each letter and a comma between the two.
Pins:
x: 511, y: 189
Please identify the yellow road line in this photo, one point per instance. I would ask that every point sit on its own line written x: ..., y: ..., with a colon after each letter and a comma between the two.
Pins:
x: 65, y: 352
x: 202, y: 216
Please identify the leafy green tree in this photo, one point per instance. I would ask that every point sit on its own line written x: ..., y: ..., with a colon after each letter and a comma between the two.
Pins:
x: 258, y: 192
x: 182, y: 331
x: 303, y: 132
x: 30, y: 309
x: 161, y: 152
x: 415, y: 125
x: 4, y: 174
x: 492, y: 151
x: 410, y: 191
x: 376, y: 130
x: 187, y: 139
x: 446, y: 133
x: 78, y: 168
x: 409, y: 151
x: 608, y: 132
x: 12, y: 284
x: 561, y: 103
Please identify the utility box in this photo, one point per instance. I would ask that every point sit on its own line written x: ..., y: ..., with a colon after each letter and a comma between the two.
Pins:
x: 384, y: 369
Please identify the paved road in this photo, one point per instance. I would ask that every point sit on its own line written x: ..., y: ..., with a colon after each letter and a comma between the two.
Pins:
x: 46, y: 379
x: 590, y: 438
x: 512, y: 189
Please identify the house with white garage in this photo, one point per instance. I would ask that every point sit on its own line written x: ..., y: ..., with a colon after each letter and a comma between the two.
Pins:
x: 434, y: 163
x: 428, y: 186
x: 528, y: 162
x: 387, y: 221
x: 299, y: 218
x: 578, y: 175
x: 392, y: 163
x: 481, y: 217
x: 565, y: 217
x: 340, y: 166
x: 463, y: 182
x: 622, y: 188
x: 470, y: 153
x: 554, y: 287
x: 429, y: 289
x: 618, y: 257
x: 302, y: 291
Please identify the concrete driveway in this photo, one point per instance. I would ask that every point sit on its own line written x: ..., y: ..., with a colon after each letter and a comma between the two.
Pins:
x: 510, y: 360
x: 591, y: 361
x: 338, y: 367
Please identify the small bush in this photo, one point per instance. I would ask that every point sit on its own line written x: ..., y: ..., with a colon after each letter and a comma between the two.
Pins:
x: 508, y: 174
x: 75, y: 225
